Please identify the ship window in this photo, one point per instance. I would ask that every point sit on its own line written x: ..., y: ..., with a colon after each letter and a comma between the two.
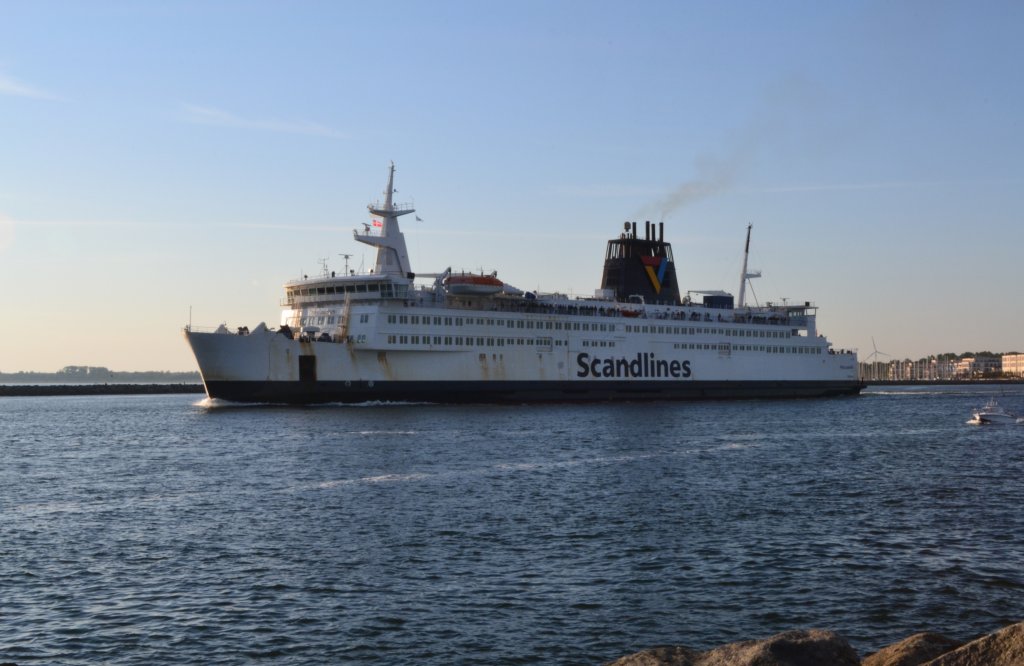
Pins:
x: 361, y: 288
x: 330, y: 320
x: 549, y: 325
x: 447, y: 340
x: 437, y: 339
x: 479, y: 321
x: 404, y: 339
x: 373, y: 287
x: 458, y: 340
x: 404, y: 319
x: 437, y: 321
x: 490, y: 342
x: 415, y: 319
x: 458, y: 321
x: 447, y: 321
x: 364, y: 319
x: 415, y: 339
x: 511, y: 323
x: 391, y: 339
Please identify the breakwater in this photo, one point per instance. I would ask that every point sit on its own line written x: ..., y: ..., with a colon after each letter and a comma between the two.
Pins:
x: 96, y: 389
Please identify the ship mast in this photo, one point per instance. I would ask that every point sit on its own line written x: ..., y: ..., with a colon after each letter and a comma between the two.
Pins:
x: 744, y: 275
x: 392, y: 257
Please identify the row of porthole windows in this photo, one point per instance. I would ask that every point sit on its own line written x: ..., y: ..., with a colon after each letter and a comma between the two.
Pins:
x: 341, y: 289
x: 317, y: 321
x: 328, y: 320
x: 468, y: 341
x: 690, y: 330
x: 598, y: 343
x: 771, y: 349
x: 427, y: 320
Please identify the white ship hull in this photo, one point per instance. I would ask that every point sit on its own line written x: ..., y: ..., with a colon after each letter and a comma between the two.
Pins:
x: 265, y: 366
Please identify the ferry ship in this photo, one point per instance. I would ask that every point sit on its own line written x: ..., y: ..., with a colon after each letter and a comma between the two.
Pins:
x: 394, y: 335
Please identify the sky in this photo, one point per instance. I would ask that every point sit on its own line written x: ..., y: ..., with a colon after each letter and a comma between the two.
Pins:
x: 167, y: 162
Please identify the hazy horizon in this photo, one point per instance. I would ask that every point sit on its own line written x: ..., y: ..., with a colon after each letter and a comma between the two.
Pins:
x: 174, y: 162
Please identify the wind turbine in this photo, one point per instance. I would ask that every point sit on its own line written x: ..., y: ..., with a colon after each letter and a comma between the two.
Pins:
x: 874, y: 355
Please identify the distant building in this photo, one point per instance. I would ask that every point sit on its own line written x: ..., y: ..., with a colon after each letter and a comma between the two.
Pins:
x: 979, y: 366
x: 1013, y: 365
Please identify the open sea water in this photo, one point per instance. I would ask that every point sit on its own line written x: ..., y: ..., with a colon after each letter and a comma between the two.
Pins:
x: 161, y: 529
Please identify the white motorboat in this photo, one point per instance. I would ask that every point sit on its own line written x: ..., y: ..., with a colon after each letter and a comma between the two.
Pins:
x: 993, y: 413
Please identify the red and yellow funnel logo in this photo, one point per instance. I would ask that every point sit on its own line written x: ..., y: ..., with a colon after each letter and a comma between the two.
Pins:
x: 656, y: 267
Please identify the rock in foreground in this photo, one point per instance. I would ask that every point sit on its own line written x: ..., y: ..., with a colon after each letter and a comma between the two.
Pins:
x: 812, y: 647
x: 1003, y: 648
x: 914, y: 651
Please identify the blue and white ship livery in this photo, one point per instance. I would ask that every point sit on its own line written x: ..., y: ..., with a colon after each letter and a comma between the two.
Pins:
x: 394, y: 335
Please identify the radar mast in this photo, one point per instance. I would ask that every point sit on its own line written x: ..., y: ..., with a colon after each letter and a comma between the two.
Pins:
x: 392, y: 256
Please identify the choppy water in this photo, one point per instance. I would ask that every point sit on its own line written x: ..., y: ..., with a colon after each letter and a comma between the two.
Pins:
x: 154, y: 529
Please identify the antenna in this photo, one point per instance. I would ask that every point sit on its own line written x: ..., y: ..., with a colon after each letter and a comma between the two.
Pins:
x: 323, y: 266
x: 347, y: 257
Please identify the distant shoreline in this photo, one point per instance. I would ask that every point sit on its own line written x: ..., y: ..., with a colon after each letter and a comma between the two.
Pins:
x: 29, y: 390
x: 942, y: 382
x: 22, y: 390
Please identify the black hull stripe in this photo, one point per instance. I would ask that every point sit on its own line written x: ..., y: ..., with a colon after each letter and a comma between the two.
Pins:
x: 520, y: 392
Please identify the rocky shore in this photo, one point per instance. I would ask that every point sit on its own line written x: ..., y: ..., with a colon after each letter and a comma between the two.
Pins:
x: 96, y: 389
x: 816, y: 647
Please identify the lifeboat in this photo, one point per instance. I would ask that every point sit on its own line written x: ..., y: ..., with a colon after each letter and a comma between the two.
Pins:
x: 634, y: 307
x: 473, y: 285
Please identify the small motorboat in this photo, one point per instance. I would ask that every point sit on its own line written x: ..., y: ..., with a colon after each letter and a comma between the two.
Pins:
x: 993, y: 413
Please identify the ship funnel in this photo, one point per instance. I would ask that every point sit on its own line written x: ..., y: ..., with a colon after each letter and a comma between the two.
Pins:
x: 641, y: 267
